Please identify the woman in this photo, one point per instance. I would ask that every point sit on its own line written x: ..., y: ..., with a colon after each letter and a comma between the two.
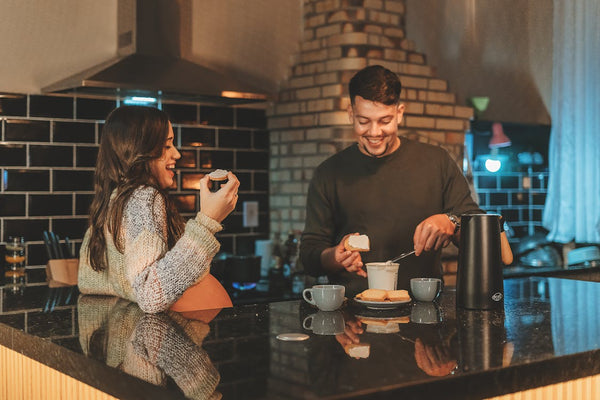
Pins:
x: 137, y: 246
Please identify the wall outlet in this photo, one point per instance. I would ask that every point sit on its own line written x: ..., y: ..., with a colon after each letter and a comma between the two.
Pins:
x: 250, y: 214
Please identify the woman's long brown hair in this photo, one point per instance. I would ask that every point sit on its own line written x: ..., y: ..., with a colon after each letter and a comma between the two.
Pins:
x: 132, y: 137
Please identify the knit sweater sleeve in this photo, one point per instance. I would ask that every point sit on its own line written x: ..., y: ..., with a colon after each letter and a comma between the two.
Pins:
x: 157, y: 275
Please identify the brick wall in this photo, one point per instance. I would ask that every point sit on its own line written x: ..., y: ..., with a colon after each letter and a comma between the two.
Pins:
x: 48, y: 148
x: 309, y: 121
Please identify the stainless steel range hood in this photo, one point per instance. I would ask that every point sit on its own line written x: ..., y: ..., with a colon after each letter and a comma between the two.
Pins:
x: 152, y: 36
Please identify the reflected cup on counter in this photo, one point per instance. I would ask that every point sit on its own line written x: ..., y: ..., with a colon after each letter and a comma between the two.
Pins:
x: 425, y: 313
x: 325, y: 323
x: 325, y: 297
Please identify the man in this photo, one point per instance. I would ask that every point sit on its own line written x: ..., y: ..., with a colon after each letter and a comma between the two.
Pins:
x: 403, y: 194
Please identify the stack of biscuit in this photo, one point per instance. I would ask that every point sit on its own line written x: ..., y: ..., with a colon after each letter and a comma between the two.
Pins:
x: 383, y: 295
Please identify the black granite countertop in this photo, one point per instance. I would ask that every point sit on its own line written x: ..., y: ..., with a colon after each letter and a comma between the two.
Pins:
x: 548, y: 333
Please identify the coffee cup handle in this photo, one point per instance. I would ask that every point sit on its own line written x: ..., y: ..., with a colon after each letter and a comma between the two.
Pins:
x: 304, y: 294
x: 306, y: 320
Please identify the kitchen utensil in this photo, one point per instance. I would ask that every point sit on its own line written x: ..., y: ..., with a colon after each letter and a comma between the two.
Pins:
x: 479, y: 282
x: 48, y: 245
x: 61, y: 255
x: 54, y: 244
x: 68, y: 247
x: 401, y: 256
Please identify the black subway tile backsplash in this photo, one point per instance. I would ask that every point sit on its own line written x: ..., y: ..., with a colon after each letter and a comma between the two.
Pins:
x: 23, y: 180
x: 262, y: 140
x: 49, y: 150
x: 13, y: 104
x: 188, y: 159
x: 12, y: 205
x: 245, y: 179
x: 74, y: 132
x: 231, y: 138
x: 486, y: 182
x: 51, y: 156
x: 96, y: 109
x: 30, y: 229
x: 197, y: 137
x: 85, y: 156
x: 181, y: 113
x: 50, y: 204
x: 82, y: 203
x: 186, y: 203
x: 50, y: 106
x: 13, y: 155
x: 221, y: 116
x: 27, y: 131
x: 261, y: 181
x: 252, y: 160
x: 250, y: 118
x: 509, y: 182
x: 70, y: 227
x: 66, y: 180
x: 498, y: 199
x: 226, y: 244
x: 216, y: 159
x: 36, y: 254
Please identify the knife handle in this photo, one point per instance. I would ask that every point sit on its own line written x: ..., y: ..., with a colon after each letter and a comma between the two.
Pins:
x: 47, y: 245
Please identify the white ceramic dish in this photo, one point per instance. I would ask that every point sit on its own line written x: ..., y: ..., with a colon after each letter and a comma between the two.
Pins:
x: 382, y: 305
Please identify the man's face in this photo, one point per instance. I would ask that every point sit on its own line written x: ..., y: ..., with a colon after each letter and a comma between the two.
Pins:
x: 376, y: 126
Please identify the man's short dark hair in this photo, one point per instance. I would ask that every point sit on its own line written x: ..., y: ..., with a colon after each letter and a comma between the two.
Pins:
x: 376, y: 83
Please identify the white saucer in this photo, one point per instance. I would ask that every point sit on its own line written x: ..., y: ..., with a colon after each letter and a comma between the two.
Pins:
x: 382, y: 305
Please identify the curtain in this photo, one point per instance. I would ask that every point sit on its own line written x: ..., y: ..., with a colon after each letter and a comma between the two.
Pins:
x: 574, y: 316
x: 572, y: 210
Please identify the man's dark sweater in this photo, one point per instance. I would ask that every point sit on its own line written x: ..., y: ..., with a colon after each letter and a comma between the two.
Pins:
x: 384, y: 198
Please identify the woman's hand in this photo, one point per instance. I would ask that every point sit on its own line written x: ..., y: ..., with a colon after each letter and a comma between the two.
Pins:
x: 217, y: 205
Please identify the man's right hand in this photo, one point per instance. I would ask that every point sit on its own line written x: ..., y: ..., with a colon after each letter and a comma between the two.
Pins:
x: 337, y: 257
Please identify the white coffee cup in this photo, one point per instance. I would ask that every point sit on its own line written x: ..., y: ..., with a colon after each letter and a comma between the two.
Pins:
x: 325, y: 323
x: 325, y: 297
x: 382, y: 275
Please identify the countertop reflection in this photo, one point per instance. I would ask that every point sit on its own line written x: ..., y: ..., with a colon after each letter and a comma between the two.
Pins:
x: 548, y: 333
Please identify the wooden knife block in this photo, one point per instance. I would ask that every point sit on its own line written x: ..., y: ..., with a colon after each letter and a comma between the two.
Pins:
x: 63, y: 270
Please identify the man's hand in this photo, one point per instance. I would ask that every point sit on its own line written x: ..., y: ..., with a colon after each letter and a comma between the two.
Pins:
x: 352, y: 331
x: 337, y: 257
x: 433, y: 233
x: 434, y: 360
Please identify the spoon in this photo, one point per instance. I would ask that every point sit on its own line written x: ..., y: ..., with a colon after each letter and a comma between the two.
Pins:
x: 400, y: 257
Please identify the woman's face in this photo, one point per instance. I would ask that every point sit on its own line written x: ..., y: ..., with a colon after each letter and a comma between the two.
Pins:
x: 162, y: 168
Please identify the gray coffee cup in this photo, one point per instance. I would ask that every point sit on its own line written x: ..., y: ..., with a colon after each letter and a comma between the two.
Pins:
x: 325, y: 297
x: 325, y: 323
x: 425, y: 289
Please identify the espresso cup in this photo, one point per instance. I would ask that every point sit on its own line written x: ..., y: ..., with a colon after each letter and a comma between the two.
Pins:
x: 381, y: 275
x: 425, y: 313
x: 325, y: 323
x: 325, y: 297
x: 425, y: 289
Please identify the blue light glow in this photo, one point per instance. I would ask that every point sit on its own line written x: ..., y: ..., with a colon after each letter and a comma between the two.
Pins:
x: 139, y: 101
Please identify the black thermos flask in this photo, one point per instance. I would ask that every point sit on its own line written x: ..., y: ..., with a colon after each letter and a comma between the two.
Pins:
x: 479, y: 283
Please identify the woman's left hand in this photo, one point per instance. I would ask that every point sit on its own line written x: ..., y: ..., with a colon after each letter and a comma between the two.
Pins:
x: 218, y: 205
